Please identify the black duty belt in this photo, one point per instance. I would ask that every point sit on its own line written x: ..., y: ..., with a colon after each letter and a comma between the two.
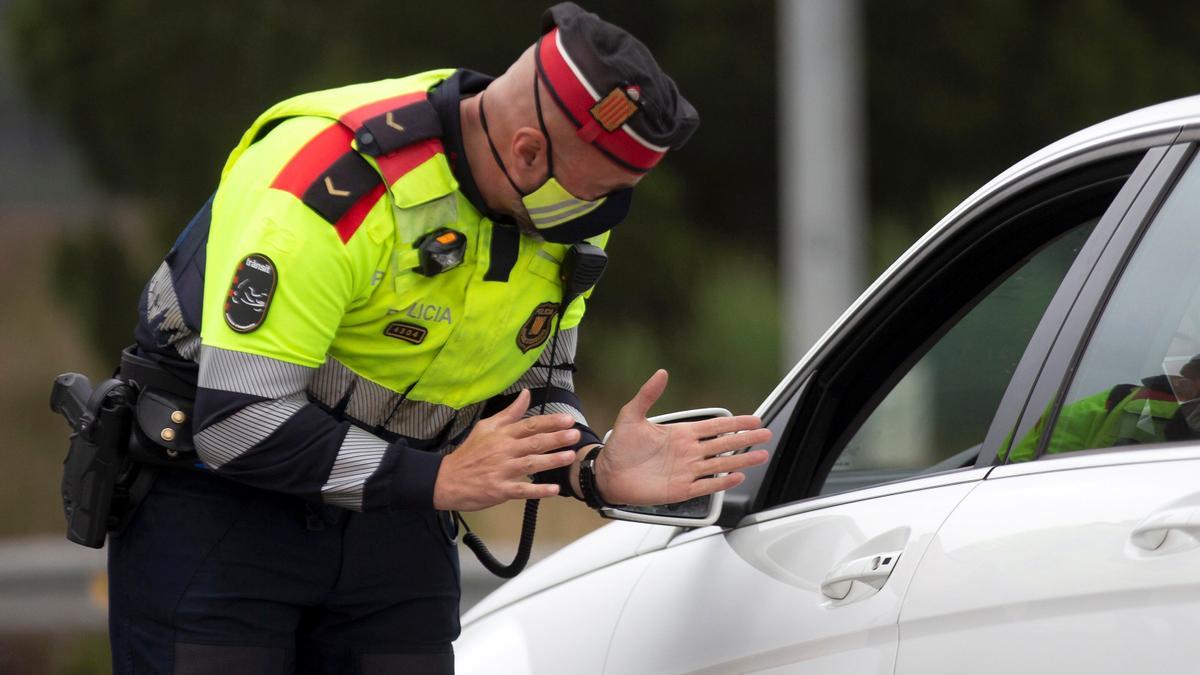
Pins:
x: 162, y: 435
x: 121, y: 428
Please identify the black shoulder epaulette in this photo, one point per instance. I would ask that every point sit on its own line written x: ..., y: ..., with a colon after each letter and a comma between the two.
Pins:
x: 331, y: 178
x: 340, y: 186
x: 388, y: 132
x: 350, y: 177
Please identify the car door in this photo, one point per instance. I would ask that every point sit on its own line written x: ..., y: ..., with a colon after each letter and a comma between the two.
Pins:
x: 1080, y: 552
x: 880, y: 444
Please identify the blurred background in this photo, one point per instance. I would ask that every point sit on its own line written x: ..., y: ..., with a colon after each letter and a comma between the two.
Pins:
x: 834, y: 133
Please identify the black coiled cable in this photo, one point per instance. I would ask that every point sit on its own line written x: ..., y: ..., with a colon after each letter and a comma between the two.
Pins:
x: 524, y: 548
x: 529, y: 521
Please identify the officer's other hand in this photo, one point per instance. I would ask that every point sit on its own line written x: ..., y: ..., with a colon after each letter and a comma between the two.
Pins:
x: 646, y: 463
x: 492, y: 465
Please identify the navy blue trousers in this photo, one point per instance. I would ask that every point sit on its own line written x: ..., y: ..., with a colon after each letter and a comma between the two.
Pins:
x: 215, y: 577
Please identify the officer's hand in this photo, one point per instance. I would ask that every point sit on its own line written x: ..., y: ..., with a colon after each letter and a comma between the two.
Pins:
x: 491, y: 466
x: 645, y: 463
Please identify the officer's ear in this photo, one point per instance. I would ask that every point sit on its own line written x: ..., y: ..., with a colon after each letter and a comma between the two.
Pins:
x: 529, y: 149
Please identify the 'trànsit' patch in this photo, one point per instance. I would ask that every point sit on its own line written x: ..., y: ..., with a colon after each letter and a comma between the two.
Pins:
x: 250, y: 293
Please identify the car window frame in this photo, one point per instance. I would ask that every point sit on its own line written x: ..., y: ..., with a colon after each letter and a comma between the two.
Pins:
x: 777, y: 415
x: 772, y: 491
x: 1053, y: 383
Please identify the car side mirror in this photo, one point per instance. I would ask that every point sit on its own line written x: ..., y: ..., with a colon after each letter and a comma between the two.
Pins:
x: 697, y: 512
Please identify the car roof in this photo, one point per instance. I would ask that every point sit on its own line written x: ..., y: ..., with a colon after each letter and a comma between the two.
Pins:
x: 1150, y: 121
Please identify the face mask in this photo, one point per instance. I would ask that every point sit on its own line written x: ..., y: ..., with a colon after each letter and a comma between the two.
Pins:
x: 558, y: 215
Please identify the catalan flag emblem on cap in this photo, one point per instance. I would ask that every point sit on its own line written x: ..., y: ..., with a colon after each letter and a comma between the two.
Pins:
x: 609, y: 86
x: 614, y: 109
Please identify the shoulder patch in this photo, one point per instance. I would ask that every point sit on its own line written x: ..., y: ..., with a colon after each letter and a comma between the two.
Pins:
x: 354, y: 118
x: 537, y: 327
x: 332, y: 180
x: 340, y: 186
x: 250, y: 293
x: 394, y: 129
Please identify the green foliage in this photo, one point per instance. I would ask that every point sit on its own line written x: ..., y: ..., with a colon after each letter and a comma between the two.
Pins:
x: 960, y: 90
x: 157, y: 93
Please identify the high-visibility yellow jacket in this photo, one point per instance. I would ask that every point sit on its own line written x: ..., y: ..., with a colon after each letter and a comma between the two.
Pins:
x: 326, y: 364
x: 1123, y: 415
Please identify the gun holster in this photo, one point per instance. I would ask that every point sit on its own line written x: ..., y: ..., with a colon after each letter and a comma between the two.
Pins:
x: 121, y: 430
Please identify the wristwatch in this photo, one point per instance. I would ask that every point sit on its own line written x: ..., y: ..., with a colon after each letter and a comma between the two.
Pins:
x: 587, y: 480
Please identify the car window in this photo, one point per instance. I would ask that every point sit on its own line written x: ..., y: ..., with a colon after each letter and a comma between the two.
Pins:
x: 1139, y: 379
x: 936, y: 415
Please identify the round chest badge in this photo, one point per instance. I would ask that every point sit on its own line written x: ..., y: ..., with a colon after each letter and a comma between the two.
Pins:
x: 250, y: 293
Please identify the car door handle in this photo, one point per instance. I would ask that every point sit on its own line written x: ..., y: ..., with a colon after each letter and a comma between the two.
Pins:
x: 1152, y: 532
x: 872, y: 570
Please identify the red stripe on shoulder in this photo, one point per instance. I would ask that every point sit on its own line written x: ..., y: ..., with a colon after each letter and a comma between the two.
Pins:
x: 315, y: 157
x: 400, y: 162
x: 348, y: 224
x: 393, y: 166
x: 355, y: 118
x: 321, y: 151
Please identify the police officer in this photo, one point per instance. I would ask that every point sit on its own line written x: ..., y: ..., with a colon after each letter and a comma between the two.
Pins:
x: 1159, y: 409
x: 363, y: 307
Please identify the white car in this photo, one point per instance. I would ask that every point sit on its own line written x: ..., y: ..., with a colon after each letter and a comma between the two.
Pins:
x: 987, y: 465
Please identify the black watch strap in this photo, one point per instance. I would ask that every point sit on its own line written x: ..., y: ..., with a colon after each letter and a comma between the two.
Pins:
x: 587, y: 480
